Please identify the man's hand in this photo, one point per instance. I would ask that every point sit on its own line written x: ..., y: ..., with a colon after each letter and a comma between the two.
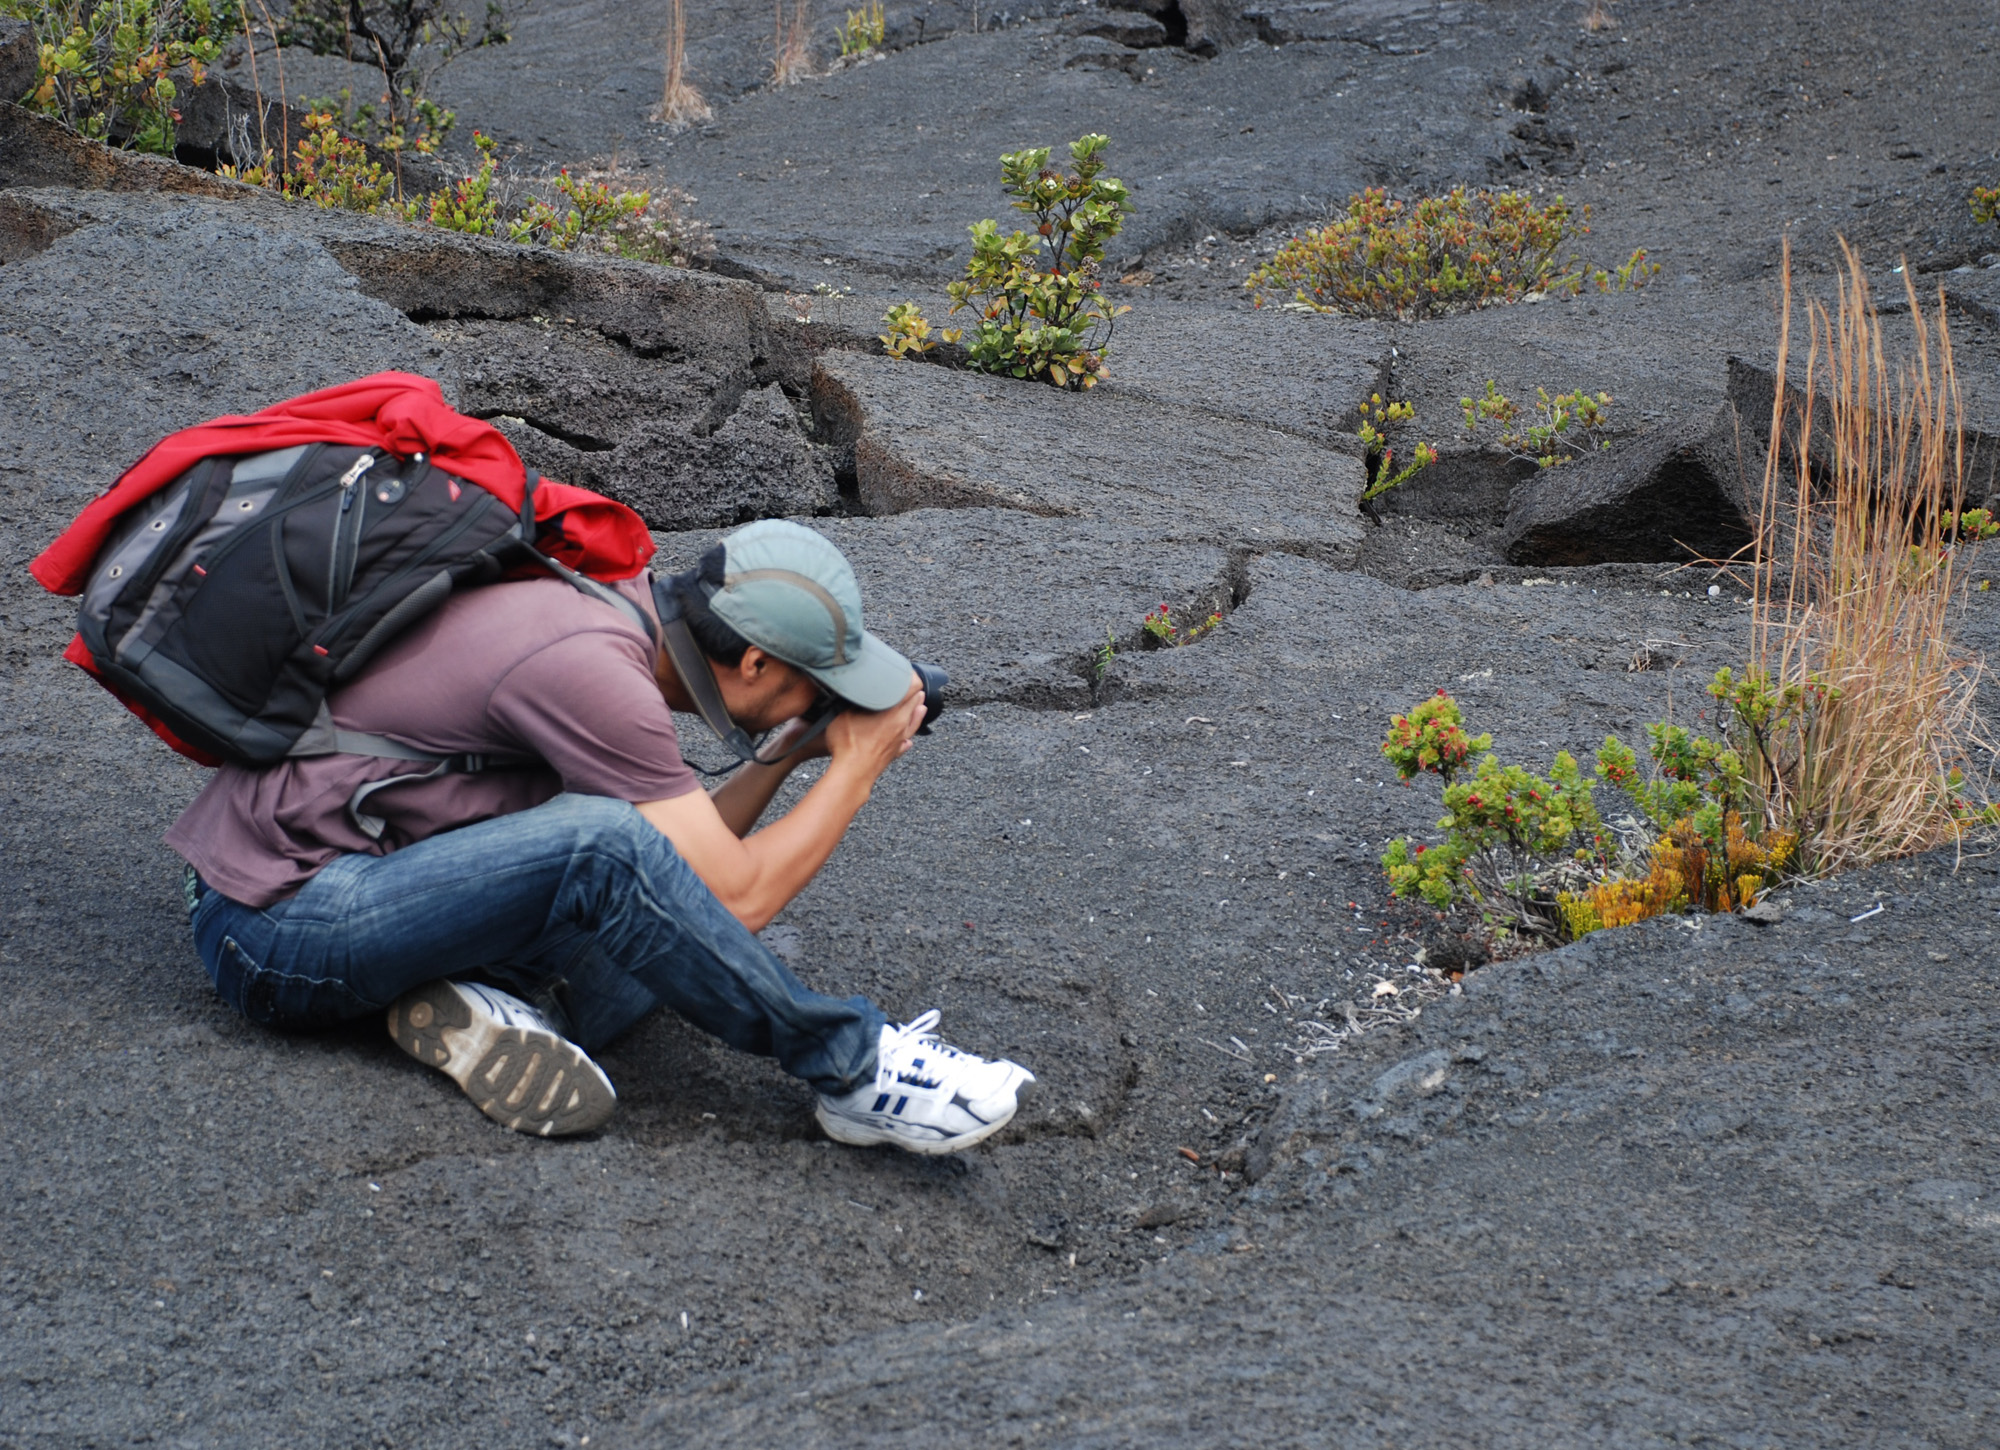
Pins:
x: 754, y: 876
x: 872, y: 742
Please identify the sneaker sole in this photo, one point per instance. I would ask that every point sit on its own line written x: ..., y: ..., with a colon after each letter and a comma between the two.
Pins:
x: 524, y: 1079
x: 861, y: 1135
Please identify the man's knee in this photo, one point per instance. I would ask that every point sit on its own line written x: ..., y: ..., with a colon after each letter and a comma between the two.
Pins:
x: 606, y: 830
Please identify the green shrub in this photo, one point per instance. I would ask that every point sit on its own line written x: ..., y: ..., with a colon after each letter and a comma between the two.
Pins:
x: 420, y: 128
x: 1986, y: 203
x: 1555, y: 430
x: 105, y: 65
x: 586, y: 213
x: 1041, y: 311
x: 1377, y: 419
x: 863, y: 30
x: 1438, y: 254
x: 326, y: 168
x: 1532, y: 854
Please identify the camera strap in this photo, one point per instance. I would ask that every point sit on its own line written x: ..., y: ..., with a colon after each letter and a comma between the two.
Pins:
x: 699, y: 677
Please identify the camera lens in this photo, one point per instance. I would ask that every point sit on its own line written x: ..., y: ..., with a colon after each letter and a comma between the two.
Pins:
x: 934, y: 680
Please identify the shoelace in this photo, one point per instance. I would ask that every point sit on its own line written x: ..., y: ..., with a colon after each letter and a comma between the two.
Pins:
x: 920, y: 1033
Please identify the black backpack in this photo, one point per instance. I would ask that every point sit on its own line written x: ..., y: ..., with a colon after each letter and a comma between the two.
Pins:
x: 237, y: 597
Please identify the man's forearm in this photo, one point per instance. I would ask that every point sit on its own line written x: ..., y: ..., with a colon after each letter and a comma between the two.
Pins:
x: 789, y: 852
x: 742, y: 799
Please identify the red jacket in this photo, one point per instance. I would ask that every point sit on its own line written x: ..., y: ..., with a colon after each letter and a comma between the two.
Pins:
x: 397, y: 412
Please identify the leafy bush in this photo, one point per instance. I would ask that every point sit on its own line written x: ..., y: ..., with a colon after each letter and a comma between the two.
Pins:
x: 326, y: 168
x: 105, y: 65
x: 334, y: 170
x: 1377, y: 419
x: 1432, y: 738
x: 587, y: 213
x: 1555, y: 430
x: 421, y: 130
x: 1041, y: 313
x: 1532, y: 854
x: 1986, y: 203
x: 1438, y: 254
x: 863, y: 30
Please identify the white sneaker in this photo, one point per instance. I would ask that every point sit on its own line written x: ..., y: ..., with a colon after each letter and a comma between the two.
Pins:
x: 522, y: 1073
x: 927, y: 1097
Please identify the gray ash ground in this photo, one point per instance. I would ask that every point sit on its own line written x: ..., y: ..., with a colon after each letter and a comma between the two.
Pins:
x: 1689, y: 1183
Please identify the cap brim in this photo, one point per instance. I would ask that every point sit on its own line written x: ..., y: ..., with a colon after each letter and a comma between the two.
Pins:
x: 876, y: 680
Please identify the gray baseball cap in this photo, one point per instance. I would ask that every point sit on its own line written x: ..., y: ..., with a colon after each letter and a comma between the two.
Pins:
x: 789, y: 591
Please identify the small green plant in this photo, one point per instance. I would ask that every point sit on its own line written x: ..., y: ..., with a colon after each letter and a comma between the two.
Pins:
x: 1106, y: 653
x: 581, y: 209
x: 419, y: 129
x: 1986, y: 203
x: 1432, y: 738
x: 909, y: 335
x: 1041, y: 313
x: 863, y: 29
x: 1377, y: 419
x: 1720, y: 819
x: 1439, y: 254
x: 585, y: 212
x: 325, y: 168
x: 1555, y: 430
x: 1161, y: 628
x: 106, y: 67
x: 1510, y: 836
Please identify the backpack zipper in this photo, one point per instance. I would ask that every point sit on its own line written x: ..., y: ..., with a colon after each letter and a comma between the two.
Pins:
x: 333, y: 629
x: 347, y: 533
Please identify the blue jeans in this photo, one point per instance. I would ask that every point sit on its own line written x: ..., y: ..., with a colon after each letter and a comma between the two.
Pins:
x: 579, y: 905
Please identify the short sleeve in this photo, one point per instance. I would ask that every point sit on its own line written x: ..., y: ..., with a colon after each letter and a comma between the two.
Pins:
x: 588, y: 705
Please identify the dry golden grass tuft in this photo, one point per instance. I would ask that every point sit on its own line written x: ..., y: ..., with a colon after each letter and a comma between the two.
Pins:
x: 1597, y: 16
x: 791, y: 60
x: 680, y: 103
x: 1856, y: 586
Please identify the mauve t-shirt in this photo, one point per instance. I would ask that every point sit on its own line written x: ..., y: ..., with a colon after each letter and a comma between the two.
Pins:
x: 532, y: 670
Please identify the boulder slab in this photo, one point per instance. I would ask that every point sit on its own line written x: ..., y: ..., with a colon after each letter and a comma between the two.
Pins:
x: 931, y: 437
x: 1672, y: 493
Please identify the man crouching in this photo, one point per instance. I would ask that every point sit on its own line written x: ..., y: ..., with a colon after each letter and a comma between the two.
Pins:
x: 515, y: 915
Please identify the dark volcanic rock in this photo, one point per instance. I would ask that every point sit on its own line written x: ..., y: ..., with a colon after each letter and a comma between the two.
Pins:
x: 928, y: 437
x: 20, y: 64
x: 1606, y: 1168
x: 1128, y: 27
x: 35, y: 151
x: 1661, y: 496
x: 1753, y: 384
x: 656, y: 311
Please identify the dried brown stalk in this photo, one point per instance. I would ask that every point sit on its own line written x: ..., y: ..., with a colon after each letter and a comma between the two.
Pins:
x: 791, y: 43
x: 680, y: 103
x: 1863, y: 484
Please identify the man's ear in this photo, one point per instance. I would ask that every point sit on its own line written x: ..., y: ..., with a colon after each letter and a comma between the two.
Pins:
x: 754, y: 665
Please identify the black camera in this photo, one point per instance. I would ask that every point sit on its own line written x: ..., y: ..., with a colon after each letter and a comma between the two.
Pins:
x: 935, y: 681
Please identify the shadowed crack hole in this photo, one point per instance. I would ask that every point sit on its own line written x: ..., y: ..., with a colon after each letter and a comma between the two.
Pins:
x: 581, y: 442
x: 1190, y: 617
